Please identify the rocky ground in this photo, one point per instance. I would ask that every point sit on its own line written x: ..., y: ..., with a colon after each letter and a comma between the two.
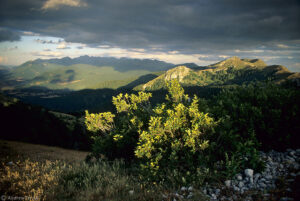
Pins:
x: 279, y: 181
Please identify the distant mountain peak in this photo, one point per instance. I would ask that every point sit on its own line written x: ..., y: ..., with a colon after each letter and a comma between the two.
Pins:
x: 233, y: 70
x: 179, y: 72
x: 236, y: 62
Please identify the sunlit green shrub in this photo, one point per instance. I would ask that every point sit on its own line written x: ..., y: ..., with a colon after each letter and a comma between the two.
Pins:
x: 177, y: 135
x: 173, y: 135
x: 116, y: 136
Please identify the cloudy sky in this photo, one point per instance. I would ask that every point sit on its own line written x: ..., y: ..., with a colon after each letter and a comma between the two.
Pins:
x: 177, y: 31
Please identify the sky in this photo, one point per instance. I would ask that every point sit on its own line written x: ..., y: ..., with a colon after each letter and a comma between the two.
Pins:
x: 175, y: 31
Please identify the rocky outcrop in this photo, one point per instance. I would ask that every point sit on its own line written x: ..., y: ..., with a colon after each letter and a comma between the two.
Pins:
x: 178, y: 72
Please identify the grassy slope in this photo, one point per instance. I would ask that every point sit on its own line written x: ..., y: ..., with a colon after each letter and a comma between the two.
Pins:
x: 13, y: 151
x: 77, y: 76
x: 67, y: 178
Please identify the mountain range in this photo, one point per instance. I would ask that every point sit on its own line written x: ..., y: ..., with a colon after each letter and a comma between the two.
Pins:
x: 227, y: 72
x: 72, y: 86
x: 141, y: 74
x: 83, y: 72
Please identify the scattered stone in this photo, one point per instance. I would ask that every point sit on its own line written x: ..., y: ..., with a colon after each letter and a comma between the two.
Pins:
x: 249, y: 172
x: 239, y: 177
x: 131, y: 192
x: 213, y: 196
x: 286, y: 199
x: 283, y: 165
x: 262, y: 185
x: 10, y: 163
x: 183, y: 188
x: 228, y: 183
x: 268, y: 177
x: 241, y: 184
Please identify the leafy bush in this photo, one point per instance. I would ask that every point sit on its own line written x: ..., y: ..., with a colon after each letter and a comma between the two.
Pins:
x: 267, y: 111
x: 177, y: 135
x: 116, y: 136
x: 181, y: 138
x: 172, y: 136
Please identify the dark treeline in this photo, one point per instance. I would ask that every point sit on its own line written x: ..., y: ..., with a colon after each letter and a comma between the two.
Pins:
x: 34, y: 124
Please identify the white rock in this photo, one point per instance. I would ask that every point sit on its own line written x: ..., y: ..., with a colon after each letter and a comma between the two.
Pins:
x: 236, y: 188
x: 293, y: 174
x: 131, y: 192
x: 285, y: 199
x: 241, y: 184
x: 269, y: 177
x: 239, y: 177
x: 249, y: 172
x: 251, y: 180
x: 213, y: 196
x: 10, y: 163
x: 263, y: 185
x: 183, y: 188
x: 228, y: 183
x: 190, y: 188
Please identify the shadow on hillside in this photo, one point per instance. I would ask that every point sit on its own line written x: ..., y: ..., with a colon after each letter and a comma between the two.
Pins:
x: 141, y: 80
x: 93, y: 100
x: 34, y: 124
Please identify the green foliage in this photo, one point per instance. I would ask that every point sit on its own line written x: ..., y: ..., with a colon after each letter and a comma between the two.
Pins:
x: 256, y: 116
x: 116, y: 135
x: 269, y: 111
x: 103, y: 121
x: 171, y: 136
x: 176, y: 138
x: 180, y: 139
x: 176, y: 92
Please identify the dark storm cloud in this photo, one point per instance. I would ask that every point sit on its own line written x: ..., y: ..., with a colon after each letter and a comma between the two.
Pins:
x: 8, y: 35
x: 206, y: 26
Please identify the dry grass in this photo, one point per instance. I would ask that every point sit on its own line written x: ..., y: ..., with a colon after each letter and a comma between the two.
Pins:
x: 29, y: 179
x: 38, y: 172
x: 29, y: 170
x: 14, y: 151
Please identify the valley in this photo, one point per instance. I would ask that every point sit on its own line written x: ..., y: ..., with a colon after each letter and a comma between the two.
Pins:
x: 55, y: 103
x: 74, y: 85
